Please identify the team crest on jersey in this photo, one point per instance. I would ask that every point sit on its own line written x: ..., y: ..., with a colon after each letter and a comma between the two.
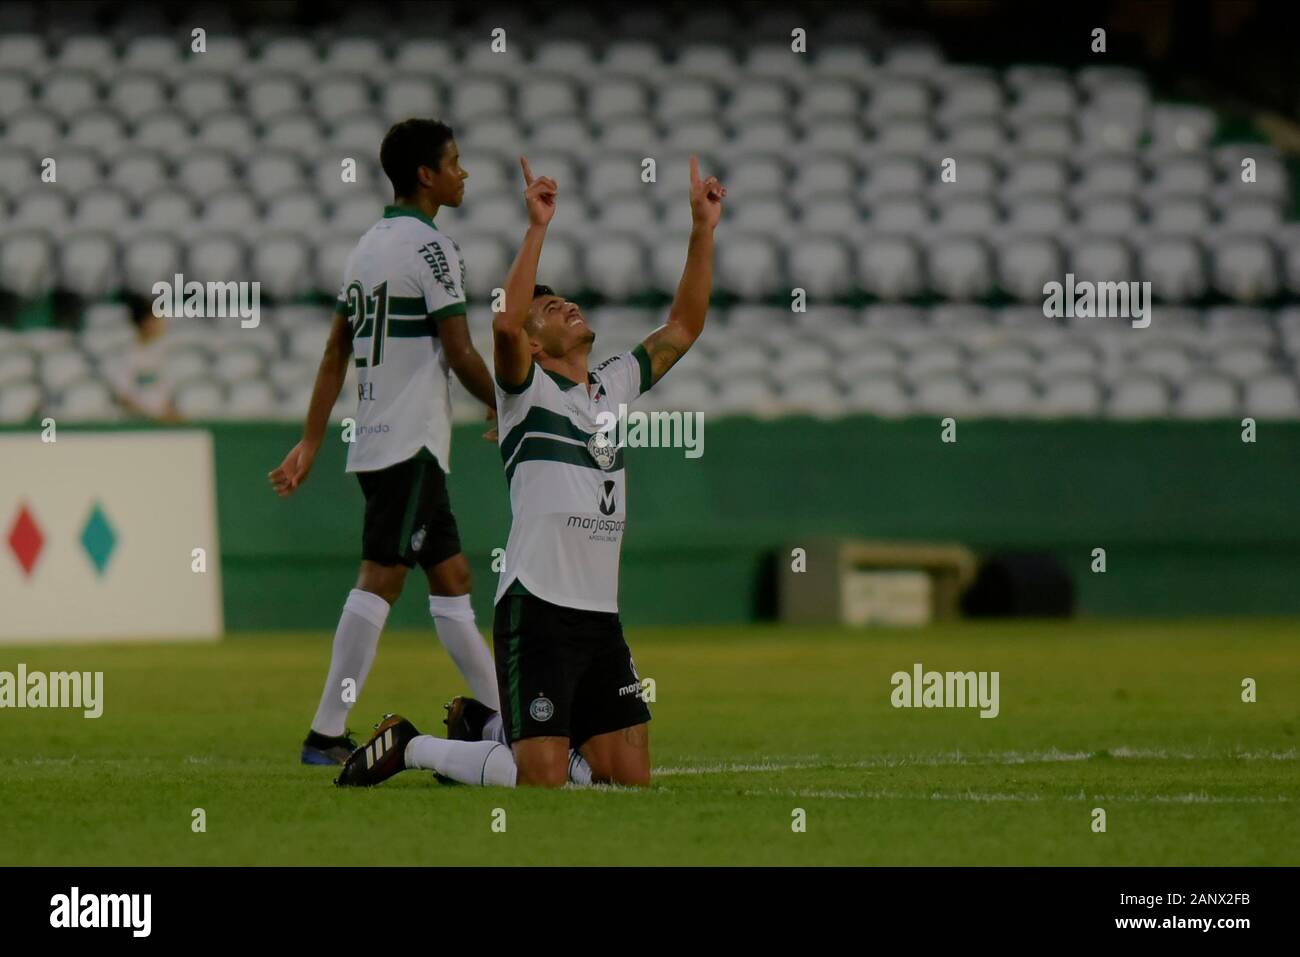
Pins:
x: 602, y: 450
x: 541, y: 709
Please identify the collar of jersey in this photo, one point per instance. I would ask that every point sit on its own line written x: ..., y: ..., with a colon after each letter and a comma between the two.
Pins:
x: 391, y: 212
x: 564, y: 382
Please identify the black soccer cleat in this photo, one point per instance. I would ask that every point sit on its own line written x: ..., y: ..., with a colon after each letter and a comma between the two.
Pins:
x: 319, y: 748
x: 382, y: 756
x: 465, y: 718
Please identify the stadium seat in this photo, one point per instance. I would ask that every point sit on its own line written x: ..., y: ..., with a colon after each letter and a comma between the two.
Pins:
x: 88, y: 264
x: 1175, y: 267
x: 166, y: 132
x: 750, y: 266
x: 890, y: 267
x: 907, y: 215
x: 27, y: 266
x: 60, y: 367
x: 1245, y: 268
x: 1181, y: 215
x: 201, y: 399
x: 16, y: 365
x: 38, y: 131
x: 1138, y: 397
x: 203, y: 95
x: 139, y: 174
x: 19, y: 402
x: 1026, y: 264
x: 231, y: 132
x: 1070, y: 395
x: 1102, y: 259
x: 94, y: 54
x: 69, y: 93
x: 1206, y: 397
x: 149, y: 258
x: 136, y: 95
x: 152, y: 51
x: 960, y: 268
x: 1272, y: 397
x: 1007, y: 395
x: 616, y: 265
x: 87, y: 400
x: 216, y: 257
x: 280, y: 263
x: 167, y: 210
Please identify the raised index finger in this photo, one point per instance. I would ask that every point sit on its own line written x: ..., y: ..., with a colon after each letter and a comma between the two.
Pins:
x: 695, y: 172
x: 528, y: 172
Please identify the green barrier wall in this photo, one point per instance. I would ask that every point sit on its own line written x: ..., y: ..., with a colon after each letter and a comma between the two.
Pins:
x: 1194, y: 521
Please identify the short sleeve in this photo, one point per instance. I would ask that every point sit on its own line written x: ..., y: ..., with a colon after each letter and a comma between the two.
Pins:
x: 441, y: 274
x: 625, y: 376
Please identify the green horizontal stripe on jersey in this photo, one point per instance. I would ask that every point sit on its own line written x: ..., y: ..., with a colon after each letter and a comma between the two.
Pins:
x: 407, y: 306
x: 411, y: 328
x: 544, y: 448
x: 539, y: 419
x: 447, y: 311
x: 643, y: 363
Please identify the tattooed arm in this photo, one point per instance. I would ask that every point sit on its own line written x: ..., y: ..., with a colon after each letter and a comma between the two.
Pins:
x: 670, y: 341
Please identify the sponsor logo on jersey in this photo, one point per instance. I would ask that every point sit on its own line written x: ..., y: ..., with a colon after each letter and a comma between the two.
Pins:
x: 432, y: 254
x: 541, y: 709
x: 607, y: 502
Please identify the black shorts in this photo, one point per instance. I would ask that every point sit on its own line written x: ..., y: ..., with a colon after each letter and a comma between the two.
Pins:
x: 408, y: 514
x: 563, y: 671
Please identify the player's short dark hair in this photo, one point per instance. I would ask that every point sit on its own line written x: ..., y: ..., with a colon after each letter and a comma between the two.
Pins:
x: 139, y: 308
x: 407, y: 146
x: 542, y: 290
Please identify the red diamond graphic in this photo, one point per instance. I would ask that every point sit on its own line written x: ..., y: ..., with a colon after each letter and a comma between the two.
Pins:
x: 26, y: 540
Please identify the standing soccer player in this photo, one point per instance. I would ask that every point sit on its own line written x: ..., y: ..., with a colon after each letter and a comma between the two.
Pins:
x: 564, y: 671
x: 401, y: 317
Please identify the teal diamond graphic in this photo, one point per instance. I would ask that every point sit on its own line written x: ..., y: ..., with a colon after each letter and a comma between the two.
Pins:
x: 98, y: 538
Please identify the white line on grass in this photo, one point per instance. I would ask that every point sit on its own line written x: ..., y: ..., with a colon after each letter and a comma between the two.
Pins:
x: 984, y: 797
x: 811, y: 761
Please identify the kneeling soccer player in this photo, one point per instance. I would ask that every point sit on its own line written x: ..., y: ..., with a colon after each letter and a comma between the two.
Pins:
x: 564, y: 673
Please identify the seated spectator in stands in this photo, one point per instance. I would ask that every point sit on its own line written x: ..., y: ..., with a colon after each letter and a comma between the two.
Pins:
x: 142, y: 386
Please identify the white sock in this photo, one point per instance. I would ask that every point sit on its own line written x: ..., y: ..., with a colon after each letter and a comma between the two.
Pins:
x: 453, y: 617
x: 469, y: 762
x: 355, y: 642
x: 579, y: 769
x: 494, y: 729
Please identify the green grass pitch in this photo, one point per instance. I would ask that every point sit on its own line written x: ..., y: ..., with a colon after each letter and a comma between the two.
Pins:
x: 1143, y: 719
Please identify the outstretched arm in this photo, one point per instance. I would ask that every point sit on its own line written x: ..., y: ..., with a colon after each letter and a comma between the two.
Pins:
x: 511, y: 354
x: 670, y: 341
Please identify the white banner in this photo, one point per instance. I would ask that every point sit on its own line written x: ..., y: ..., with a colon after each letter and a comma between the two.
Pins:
x: 101, y: 532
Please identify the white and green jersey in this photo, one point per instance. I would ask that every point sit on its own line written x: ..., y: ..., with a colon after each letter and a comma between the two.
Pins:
x: 401, y: 280
x: 567, y: 487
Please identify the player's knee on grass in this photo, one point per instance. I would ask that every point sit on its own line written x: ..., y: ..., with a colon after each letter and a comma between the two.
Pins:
x: 382, y: 580
x: 620, y: 757
x: 449, y: 577
x: 542, y: 762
